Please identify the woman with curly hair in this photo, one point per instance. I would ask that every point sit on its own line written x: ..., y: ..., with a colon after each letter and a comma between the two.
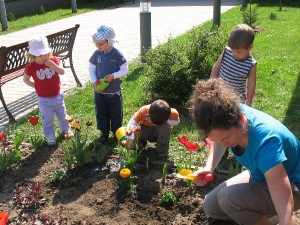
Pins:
x: 268, y: 191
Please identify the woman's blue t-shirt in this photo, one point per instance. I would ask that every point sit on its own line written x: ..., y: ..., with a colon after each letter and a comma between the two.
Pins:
x: 270, y: 143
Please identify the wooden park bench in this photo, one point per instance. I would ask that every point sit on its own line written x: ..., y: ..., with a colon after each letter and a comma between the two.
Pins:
x: 13, y: 60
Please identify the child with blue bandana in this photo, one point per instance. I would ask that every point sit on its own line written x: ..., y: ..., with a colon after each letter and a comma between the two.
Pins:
x: 109, y: 63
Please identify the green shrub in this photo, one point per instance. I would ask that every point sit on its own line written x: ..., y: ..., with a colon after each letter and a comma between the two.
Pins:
x: 11, y: 17
x: 173, y: 68
x: 273, y: 16
x: 280, y: 5
x: 204, y: 50
x: 250, y: 15
x: 42, y: 10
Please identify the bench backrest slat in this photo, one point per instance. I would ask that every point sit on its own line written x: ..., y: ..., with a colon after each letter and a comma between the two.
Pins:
x: 62, y: 41
x: 13, y: 58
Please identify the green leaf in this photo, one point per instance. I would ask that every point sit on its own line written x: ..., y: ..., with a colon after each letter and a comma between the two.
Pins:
x: 18, y: 141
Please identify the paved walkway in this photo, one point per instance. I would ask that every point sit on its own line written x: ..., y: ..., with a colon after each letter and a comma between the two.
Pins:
x: 168, y: 18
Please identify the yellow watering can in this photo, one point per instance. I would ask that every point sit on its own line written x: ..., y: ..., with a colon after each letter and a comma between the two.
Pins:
x: 120, y: 134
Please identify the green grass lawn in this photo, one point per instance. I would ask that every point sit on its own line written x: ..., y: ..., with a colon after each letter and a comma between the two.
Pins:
x: 23, y: 21
x: 276, y: 49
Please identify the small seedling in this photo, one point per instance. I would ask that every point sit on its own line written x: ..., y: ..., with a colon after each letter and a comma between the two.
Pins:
x: 167, y: 196
x: 59, y: 176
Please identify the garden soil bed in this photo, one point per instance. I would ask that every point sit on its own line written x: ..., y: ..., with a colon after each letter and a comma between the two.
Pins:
x: 91, y: 195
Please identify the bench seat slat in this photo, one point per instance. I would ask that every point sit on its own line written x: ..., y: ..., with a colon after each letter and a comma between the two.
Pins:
x: 12, y: 76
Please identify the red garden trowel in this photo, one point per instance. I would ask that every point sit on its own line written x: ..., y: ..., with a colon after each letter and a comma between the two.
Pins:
x: 188, y: 175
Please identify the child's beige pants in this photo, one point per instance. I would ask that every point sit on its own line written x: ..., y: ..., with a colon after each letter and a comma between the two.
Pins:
x: 159, y: 134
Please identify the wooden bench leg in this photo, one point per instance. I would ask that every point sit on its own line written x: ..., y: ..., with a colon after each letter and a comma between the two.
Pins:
x: 73, y: 71
x: 10, y: 116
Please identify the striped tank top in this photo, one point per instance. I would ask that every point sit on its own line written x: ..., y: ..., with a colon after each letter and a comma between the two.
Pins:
x: 234, y: 72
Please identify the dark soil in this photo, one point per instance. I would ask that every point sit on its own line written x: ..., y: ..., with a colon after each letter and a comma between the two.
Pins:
x: 92, y: 196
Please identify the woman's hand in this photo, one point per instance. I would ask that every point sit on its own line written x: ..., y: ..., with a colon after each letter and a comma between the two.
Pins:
x: 201, y: 173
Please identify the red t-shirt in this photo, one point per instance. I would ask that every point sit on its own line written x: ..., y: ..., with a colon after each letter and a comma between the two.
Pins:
x: 47, y: 81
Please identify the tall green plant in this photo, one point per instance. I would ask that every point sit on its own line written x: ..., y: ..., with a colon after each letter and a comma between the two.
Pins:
x: 76, y: 150
x: 69, y: 158
x: 130, y: 157
x: 101, y: 156
x: 35, y: 138
x: 8, y: 156
x: 250, y: 15
x: 18, y: 141
x: 79, y: 150
x: 280, y: 5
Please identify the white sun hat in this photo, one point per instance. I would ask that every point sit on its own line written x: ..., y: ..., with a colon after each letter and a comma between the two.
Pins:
x: 105, y: 33
x: 39, y: 46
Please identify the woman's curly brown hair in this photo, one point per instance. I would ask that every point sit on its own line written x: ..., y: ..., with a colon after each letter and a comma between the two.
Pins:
x: 214, y: 105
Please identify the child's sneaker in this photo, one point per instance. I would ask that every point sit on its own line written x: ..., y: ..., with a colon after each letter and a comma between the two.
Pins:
x: 51, y: 140
x: 162, y: 154
x: 69, y: 132
x: 103, y: 138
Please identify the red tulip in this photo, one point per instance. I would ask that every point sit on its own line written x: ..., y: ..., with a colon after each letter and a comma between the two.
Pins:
x: 128, y: 131
x: 34, y: 120
x: 67, y: 136
x: 137, y: 129
x: 89, y: 123
x: 183, y: 139
x: 191, y: 146
x: 77, y: 128
x: 70, y: 118
x: 2, y: 138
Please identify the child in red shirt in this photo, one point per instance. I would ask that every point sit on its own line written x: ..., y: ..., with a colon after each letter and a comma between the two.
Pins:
x: 44, y: 68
